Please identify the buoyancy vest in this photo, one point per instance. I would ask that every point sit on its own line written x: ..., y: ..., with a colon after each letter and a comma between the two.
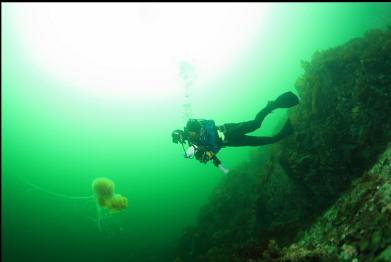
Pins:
x: 208, y: 135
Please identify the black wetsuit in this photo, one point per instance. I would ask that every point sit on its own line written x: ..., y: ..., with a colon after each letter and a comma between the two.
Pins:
x: 235, y: 136
x: 235, y: 133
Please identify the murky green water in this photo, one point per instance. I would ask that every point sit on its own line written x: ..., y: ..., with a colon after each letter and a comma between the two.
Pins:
x: 60, y: 132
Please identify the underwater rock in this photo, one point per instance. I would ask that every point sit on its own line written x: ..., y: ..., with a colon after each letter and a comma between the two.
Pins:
x: 385, y: 256
x: 358, y: 225
x: 292, y: 193
x: 348, y: 253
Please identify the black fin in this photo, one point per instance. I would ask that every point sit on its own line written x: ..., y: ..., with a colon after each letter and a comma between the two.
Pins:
x: 286, y: 100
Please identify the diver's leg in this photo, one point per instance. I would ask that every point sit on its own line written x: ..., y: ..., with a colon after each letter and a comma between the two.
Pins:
x: 237, y: 129
x: 244, y: 140
x: 285, y: 100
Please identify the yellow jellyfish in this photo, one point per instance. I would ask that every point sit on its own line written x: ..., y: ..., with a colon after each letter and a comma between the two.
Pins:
x: 105, y: 197
x: 117, y: 203
x: 103, y: 189
x: 104, y: 192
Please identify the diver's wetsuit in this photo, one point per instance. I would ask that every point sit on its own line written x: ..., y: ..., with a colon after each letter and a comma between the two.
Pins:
x: 235, y: 136
x: 235, y: 133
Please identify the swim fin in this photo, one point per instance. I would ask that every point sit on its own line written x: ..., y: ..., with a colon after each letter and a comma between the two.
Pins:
x: 286, y: 100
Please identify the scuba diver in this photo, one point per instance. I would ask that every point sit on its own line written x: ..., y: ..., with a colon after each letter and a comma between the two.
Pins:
x: 205, y: 139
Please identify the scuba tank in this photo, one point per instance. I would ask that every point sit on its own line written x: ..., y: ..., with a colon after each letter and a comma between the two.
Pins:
x: 207, y: 131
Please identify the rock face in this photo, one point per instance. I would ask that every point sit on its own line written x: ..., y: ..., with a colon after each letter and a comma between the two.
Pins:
x: 342, y: 125
x: 344, y: 121
x: 357, y: 226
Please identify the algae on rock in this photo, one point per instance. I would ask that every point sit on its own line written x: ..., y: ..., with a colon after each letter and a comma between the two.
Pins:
x: 342, y: 125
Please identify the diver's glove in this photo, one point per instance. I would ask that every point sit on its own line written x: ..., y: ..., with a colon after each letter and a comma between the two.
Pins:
x: 218, y: 164
x: 223, y: 169
x: 190, y: 152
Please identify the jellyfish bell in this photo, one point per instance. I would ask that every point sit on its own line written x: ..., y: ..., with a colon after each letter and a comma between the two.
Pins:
x: 103, y: 187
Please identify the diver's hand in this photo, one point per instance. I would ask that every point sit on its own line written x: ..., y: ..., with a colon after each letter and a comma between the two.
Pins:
x: 190, y: 152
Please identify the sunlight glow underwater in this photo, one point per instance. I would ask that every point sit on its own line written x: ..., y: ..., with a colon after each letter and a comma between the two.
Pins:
x: 115, y: 57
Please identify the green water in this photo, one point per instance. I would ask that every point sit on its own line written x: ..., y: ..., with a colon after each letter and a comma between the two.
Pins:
x: 61, y: 139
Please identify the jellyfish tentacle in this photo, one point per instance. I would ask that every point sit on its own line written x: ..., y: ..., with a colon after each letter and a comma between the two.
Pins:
x: 54, y: 193
x: 104, y: 196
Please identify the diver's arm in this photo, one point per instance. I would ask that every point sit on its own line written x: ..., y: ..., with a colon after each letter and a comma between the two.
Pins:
x: 216, y: 161
x: 210, y: 155
x: 200, y: 153
x: 203, y: 155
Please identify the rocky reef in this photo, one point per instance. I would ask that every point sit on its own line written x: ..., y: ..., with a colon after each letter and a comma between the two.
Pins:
x: 324, y: 193
x: 356, y: 228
